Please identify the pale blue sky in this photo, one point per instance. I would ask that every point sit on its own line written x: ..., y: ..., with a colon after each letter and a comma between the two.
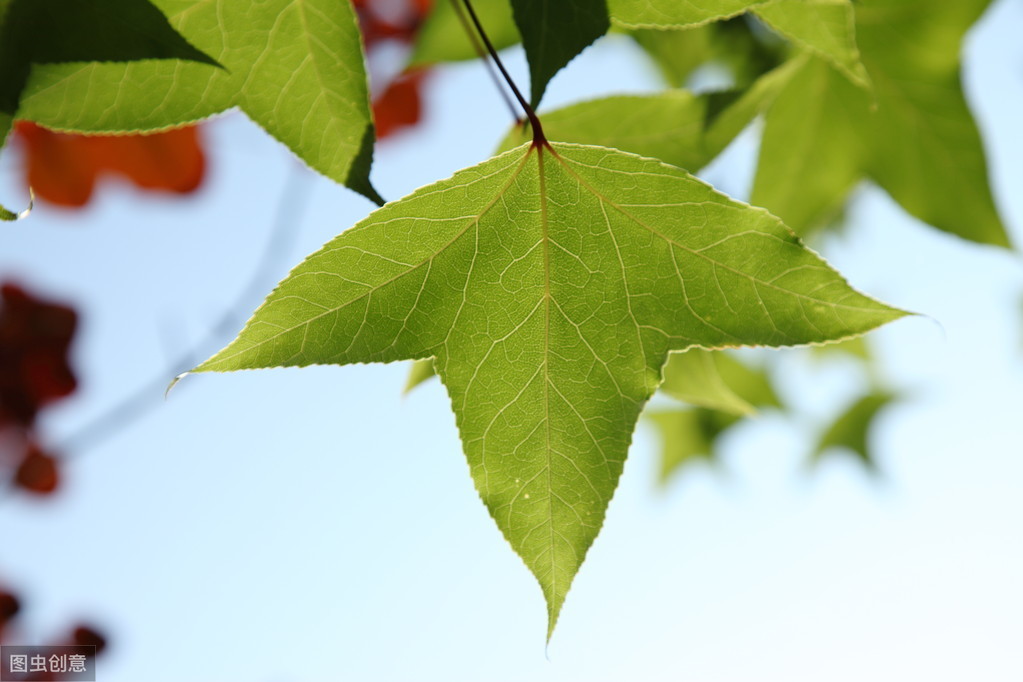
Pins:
x: 295, y: 525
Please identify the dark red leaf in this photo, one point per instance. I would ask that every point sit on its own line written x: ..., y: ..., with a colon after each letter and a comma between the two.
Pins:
x: 35, y: 337
x: 85, y: 635
x: 37, y: 473
x: 9, y: 607
x: 64, y: 168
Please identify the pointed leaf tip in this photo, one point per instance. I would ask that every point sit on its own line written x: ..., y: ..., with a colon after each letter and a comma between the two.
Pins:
x: 174, y: 382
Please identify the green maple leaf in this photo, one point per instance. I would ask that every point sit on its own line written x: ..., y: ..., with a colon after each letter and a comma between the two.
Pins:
x: 914, y: 135
x: 294, y: 66
x: 550, y: 283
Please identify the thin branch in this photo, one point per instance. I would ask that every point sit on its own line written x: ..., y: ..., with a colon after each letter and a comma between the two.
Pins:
x: 290, y: 208
x: 481, y: 52
x: 538, y: 136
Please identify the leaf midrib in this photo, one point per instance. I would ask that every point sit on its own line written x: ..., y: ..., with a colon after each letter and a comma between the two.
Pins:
x: 545, y: 228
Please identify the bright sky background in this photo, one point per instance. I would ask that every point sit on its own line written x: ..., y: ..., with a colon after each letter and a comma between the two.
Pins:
x: 308, y: 525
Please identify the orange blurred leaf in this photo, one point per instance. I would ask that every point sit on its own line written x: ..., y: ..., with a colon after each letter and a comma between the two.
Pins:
x: 400, y: 105
x: 63, y: 168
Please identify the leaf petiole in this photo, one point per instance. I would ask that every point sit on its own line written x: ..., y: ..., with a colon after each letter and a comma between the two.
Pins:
x: 534, y: 121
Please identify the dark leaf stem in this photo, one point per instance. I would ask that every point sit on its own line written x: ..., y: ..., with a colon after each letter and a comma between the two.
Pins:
x: 481, y: 52
x: 538, y: 137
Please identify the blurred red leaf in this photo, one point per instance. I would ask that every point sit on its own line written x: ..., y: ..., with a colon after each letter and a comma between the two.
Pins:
x: 63, y: 168
x: 9, y: 607
x: 37, y: 473
x: 390, y: 19
x: 85, y: 635
x: 400, y: 105
x: 35, y: 337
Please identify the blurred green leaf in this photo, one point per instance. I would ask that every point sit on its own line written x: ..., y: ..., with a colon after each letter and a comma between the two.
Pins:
x: 688, y: 437
x: 928, y: 152
x: 751, y: 384
x: 850, y: 432
x: 693, y: 378
x: 919, y: 142
x: 675, y: 13
x: 812, y: 151
x: 420, y: 371
x: 734, y: 44
x: 678, y: 53
x: 856, y: 347
x: 825, y: 27
x: 443, y: 38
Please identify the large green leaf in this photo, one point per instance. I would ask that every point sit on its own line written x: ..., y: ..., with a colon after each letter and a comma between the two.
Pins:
x: 294, y: 66
x: 825, y: 27
x: 444, y: 38
x: 676, y: 126
x: 550, y: 283
x: 554, y: 32
x: 914, y: 136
